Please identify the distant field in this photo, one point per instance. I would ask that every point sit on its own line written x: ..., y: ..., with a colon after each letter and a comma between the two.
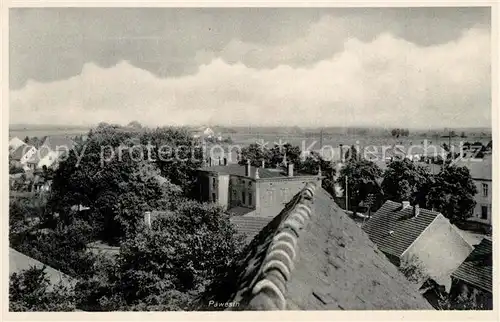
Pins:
x: 336, y: 139
x: 244, y: 137
x: 21, y: 131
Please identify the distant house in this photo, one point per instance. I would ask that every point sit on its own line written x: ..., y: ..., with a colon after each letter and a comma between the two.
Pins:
x: 311, y: 256
x: 481, y: 173
x: 405, y: 233
x: 50, y: 152
x: 203, y: 132
x: 22, y: 154
x: 15, y: 143
x: 475, y: 275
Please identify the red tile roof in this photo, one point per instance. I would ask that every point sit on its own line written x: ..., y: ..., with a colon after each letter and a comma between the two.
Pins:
x: 477, y: 269
x: 393, y: 229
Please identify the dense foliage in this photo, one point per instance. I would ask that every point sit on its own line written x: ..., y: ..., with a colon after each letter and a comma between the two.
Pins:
x: 452, y: 193
x: 362, y: 178
x: 30, y: 290
x: 113, y: 177
x: 168, y: 266
x: 405, y: 180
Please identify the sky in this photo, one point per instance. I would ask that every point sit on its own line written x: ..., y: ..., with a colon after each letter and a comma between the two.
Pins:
x: 383, y: 67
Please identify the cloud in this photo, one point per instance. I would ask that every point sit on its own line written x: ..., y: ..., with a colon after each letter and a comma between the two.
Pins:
x: 48, y: 44
x: 385, y: 81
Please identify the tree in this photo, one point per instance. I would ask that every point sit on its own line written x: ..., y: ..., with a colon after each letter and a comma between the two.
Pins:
x: 168, y: 266
x: 176, y: 154
x: 362, y: 180
x: 405, y: 180
x: 256, y: 153
x: 352, y: 153
x: 313, y: 163
x: 30, y: 290
x: 293, y: 155
x: 135, y: 125
x: 63, y: 248
x: 452, y: 193
x: 118, y: 189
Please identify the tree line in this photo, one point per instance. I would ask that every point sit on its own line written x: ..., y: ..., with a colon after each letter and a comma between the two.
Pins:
x: 165, y: 267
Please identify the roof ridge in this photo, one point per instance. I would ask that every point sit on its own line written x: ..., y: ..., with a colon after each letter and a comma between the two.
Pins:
x: 269, y: 287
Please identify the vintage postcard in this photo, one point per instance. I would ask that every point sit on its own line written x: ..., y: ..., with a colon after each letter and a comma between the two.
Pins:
x: 242, y: 159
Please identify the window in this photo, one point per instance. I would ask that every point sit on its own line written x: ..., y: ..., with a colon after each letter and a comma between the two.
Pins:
x: 243, y: 197
x: 484, y: 212
x: 250, y: 199
x: 213, y: 183
x: 485, y: 190
x: 214, y: 197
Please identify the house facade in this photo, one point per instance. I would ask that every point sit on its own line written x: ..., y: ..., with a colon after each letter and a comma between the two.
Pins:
x: 407, y: 234
x: 481, y: 173
x: 249, y: 190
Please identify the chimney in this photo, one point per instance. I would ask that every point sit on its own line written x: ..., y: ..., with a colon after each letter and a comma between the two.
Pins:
x: 290, y: 169
x: 416, y: 210
x: 263, y: 163
x: 225, y: 161
x: 257, y: 173
x: 406, y: 204
x: 247, y: 169
x: 147, y: 218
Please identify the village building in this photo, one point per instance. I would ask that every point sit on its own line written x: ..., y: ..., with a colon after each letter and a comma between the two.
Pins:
x: 312, y: 256
x: 473, y: 278
x: 481, y: 173
x: 14, y: 143
x: 425, y: 238
x: 249, y: 190
x: 50, y: 152
x: 205, y: 132
x: 22, y: 154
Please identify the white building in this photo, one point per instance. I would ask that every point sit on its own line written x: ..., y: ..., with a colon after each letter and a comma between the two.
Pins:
x: 481, y: 173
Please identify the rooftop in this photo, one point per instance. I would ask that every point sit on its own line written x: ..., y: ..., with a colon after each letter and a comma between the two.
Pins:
x: 312, y: 256
x: 19, y: 262
x: 239, y: 170
x: 18, y: 153
x: 57, y: 142
x: 394, y: 229
x: 249, y: 226
x: 477, y: 269
x: 480, y: 169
